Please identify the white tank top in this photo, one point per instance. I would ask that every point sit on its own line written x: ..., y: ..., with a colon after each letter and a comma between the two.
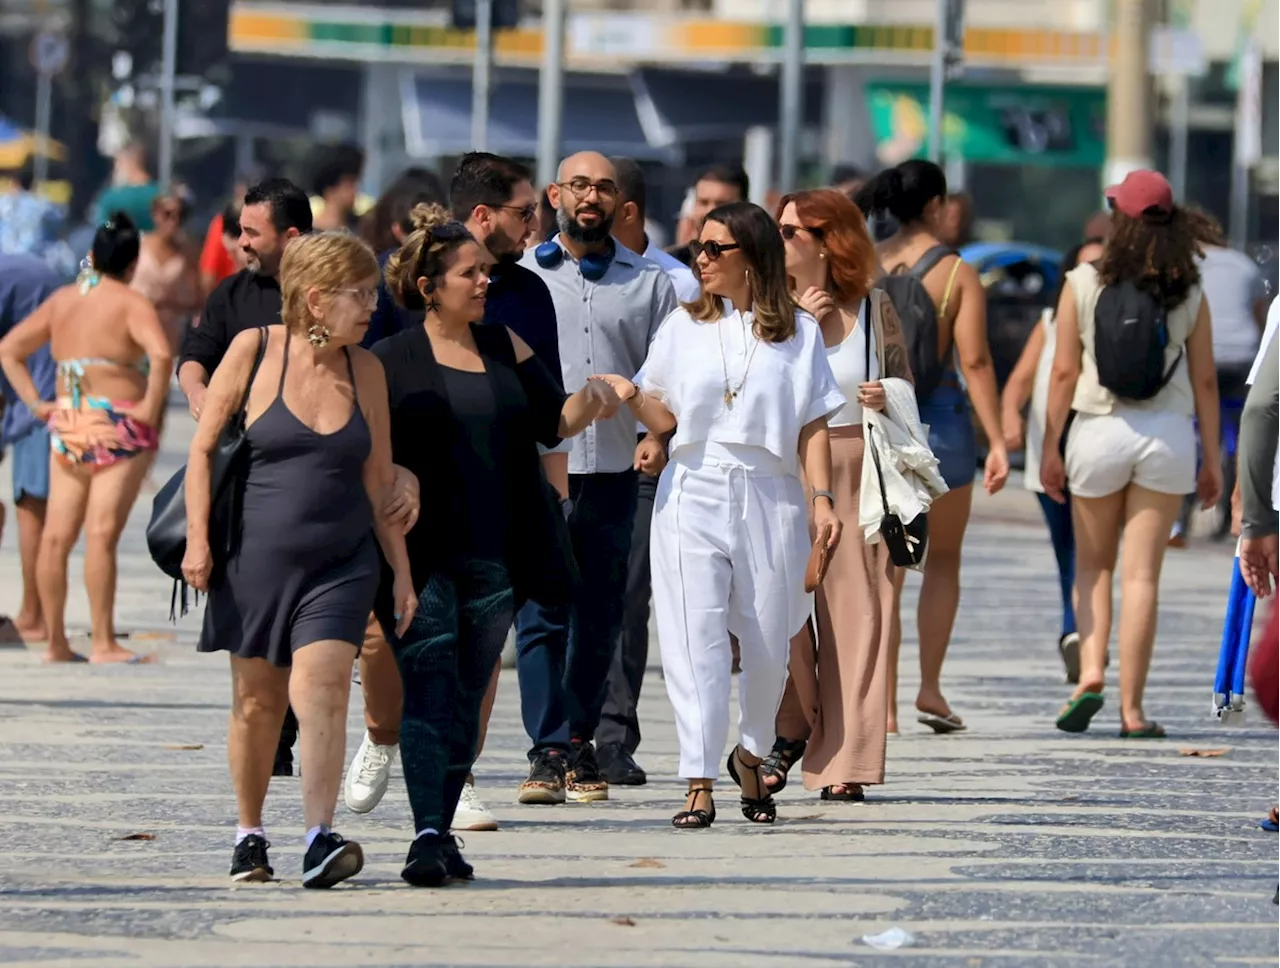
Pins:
x: 848, y: 365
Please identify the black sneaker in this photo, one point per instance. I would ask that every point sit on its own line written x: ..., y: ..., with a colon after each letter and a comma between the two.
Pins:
x: 454, y: 862
x: 428, y: 862
x: 618, y: 767
x: 546, y: 782
x: 583, y: 781
x: 329, y: 860
x: 249, y: 862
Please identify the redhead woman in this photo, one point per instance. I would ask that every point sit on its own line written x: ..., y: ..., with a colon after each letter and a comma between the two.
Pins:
x: 834, y: 709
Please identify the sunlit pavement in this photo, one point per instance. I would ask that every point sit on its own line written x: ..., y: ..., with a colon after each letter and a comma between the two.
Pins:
x: 1012, y: 844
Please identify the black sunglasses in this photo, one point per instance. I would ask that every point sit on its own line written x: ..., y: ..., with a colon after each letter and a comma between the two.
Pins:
x: 713, y: 249
x: 789, y: 231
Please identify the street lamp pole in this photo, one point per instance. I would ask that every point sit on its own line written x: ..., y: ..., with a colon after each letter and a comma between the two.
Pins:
x: 551, y: 91
x: 482, y: 76
x: 791, y: 109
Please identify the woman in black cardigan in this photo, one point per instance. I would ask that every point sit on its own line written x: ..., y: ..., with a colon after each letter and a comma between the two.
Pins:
x: 469, y: 404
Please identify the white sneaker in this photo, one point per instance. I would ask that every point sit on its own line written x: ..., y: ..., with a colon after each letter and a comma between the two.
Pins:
x: 368, y: 775
x: 472, y: 814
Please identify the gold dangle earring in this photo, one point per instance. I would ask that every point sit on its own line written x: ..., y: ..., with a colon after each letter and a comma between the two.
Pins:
x: 318, y: 336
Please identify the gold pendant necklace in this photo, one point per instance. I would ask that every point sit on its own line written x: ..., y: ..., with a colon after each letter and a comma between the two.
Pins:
x: 731, y: 393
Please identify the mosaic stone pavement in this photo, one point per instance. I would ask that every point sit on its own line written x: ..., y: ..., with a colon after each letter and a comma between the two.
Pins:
x: 1010, y: 845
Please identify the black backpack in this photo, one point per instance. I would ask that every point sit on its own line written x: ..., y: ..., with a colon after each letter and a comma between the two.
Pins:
x: 1130, y: 336
x: 919, y: 316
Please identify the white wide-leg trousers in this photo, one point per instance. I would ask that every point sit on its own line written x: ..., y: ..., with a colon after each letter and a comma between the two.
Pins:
x: 729, y: 550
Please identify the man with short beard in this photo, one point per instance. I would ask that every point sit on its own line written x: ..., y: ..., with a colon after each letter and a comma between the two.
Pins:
x: 609, y: 303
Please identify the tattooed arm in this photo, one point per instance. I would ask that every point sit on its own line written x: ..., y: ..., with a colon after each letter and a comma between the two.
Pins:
x: 893, y: 355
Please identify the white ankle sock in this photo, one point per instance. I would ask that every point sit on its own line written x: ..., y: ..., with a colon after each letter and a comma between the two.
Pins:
x: 243, y: 832
x: 315, y: 832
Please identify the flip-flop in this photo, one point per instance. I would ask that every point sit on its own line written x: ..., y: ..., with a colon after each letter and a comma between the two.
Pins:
x: 1080, y: 712
x: 75, y: 659
x: 1069, y: 650
x: 942, y: 724
x: 1148, y: 730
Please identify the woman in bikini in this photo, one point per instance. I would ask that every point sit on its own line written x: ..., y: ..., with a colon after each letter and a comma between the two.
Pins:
x: 114, y: 362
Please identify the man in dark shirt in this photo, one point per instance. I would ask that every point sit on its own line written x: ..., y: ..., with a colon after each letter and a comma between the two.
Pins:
x: 275, y: 213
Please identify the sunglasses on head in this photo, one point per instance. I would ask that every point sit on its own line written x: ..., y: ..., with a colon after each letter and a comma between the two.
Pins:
x: 713, y: 249
x: 789, y: 231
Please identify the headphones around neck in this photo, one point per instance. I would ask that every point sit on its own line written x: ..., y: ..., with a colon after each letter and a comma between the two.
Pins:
x: 593, y: 265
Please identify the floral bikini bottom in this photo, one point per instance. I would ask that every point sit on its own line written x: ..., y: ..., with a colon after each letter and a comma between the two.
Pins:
x: 97, y: 435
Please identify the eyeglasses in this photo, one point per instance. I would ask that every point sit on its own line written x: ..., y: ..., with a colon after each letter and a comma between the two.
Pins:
x: 789, y: 231
x: 581, y: 188
x: 713, y: 249
x: 367, y: 297
x: 527, y: 213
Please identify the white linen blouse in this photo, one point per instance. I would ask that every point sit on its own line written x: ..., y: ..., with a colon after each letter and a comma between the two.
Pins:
x: 787, y: 385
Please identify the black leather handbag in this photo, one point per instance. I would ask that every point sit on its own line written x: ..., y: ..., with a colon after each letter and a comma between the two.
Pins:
x: 907, y: 543
x: 167, y: 529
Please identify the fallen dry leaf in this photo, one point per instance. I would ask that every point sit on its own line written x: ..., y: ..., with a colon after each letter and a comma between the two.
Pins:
x: 151, y: 636
x: 624, y: 922
x: 1204, y: 753
x: 812, y: 816
x: 648, y: 862
x: 185, y: 746
x: 137, y: 837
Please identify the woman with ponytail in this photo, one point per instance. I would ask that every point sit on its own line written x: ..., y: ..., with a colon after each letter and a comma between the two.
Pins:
x: 914, y: 196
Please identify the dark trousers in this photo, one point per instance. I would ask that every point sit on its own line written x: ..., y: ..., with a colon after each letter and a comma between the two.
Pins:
x: 446, y: 659
x: 1062, y: 534
x: 619, y: 722
x: 575, y: 646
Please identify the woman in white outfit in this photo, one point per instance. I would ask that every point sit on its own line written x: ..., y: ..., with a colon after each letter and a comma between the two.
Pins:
x: 748, y: 391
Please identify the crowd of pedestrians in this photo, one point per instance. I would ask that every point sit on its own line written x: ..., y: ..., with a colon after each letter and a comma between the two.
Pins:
x: 482, y: 407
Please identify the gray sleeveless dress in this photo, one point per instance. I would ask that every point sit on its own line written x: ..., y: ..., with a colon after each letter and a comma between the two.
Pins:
x: 307, y: 566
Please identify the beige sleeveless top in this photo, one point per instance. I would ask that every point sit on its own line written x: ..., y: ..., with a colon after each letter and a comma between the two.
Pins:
x: 1092, y: 398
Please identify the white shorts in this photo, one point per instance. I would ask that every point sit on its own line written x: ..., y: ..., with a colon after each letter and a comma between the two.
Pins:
x: 1151, y: 448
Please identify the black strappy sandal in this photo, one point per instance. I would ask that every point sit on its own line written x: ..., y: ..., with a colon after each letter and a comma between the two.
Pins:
x: 784, y: 755
x: 756, y: 809
x: 695, y: 819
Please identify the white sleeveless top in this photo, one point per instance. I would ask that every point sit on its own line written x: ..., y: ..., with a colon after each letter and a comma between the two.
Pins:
x: 848, y: 366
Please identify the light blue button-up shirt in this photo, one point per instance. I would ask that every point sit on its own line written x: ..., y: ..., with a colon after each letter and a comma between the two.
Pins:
x: 605, y: 327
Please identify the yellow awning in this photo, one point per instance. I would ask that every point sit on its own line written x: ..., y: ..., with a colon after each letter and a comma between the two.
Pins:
x: 15, y: 152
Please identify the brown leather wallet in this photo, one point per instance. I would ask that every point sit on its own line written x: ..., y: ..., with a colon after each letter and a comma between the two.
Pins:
x: 819, y: 558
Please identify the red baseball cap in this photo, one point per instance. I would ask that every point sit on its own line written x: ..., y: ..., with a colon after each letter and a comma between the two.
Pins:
x: 1140, y: 192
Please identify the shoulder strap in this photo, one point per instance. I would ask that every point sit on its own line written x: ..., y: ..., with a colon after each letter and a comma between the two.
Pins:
x: 351, y: 375
x: 946, y: 294
x: 257, y: 362
x: 930, y: 259
x: 873, y: 330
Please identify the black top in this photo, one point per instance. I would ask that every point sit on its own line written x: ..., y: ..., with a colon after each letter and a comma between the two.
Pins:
x: 426, y: 434
x: 246, y: 300
x: 517, y: 299
x: 476, y: 412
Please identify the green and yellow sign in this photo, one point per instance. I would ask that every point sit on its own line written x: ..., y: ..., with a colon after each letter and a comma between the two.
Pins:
x: 1049, y: 126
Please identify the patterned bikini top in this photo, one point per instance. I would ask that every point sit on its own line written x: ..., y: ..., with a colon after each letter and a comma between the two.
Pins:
x: 72, y: 372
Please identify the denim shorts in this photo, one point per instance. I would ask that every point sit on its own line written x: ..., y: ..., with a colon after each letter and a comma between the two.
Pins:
x: 30, y: 456
x: 951, y: 436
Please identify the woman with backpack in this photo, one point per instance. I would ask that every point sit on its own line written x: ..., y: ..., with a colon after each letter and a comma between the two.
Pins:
x: 944, y: 317
x: 1030, y: 381
x: 1134, y: 362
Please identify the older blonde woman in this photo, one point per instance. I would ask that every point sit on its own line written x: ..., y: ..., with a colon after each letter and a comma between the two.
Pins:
x: 292, y: 603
